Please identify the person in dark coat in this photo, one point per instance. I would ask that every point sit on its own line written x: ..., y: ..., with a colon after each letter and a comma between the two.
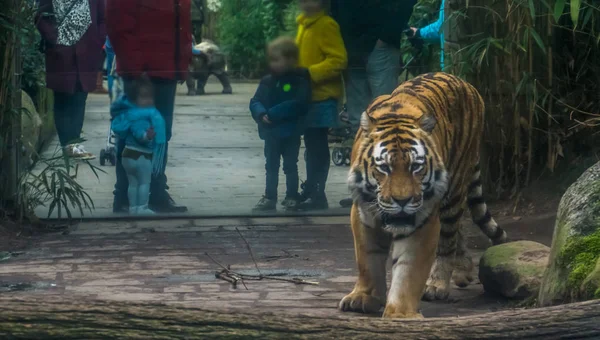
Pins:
x: 73, y: 33
x: 152, y: 37
x: 281, y: 100
x: 372, y: 33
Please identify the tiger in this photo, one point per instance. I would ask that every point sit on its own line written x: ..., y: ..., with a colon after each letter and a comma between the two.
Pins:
x: 414, y: 168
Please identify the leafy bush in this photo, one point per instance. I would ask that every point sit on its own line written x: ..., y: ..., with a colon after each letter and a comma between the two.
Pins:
x: 244, y: 29
x: 54, y: 186
x: 32, y: 62
x: 427, y: 57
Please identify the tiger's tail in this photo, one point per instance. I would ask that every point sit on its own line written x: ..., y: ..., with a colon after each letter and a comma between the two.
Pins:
x: 479, y: 210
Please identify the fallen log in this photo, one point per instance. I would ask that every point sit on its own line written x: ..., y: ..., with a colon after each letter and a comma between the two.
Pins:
x: 48, y: 318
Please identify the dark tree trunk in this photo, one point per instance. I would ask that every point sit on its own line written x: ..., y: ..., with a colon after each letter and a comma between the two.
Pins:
x: 59, y: 319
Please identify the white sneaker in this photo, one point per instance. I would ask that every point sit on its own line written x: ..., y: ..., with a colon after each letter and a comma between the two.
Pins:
x: 133, y: 210
x: 83, y: 152
x: 77, y: 151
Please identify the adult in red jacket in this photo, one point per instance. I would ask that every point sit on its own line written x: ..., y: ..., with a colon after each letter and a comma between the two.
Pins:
x: 152, y: 37
x: 73, y: 34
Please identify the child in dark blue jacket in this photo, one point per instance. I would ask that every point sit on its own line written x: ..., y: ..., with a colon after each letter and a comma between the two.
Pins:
x: 280, y: 102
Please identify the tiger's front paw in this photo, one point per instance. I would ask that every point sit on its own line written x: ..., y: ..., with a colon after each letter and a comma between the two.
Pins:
x: 436, y: 290
x: 396, y: 312
x: 360, y: 302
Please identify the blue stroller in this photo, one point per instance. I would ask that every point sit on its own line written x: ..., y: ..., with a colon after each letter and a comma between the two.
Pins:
x: 109, y: 153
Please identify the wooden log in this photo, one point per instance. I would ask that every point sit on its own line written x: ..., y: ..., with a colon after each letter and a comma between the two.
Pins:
x: 47, y: 318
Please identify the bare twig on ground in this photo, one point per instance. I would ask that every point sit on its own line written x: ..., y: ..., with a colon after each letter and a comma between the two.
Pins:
x: 249, y: 250
x: 226, y: 274
x: 286, y: 255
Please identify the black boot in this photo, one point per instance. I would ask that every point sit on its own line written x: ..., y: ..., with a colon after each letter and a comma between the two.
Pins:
x: 120, y: 203
x: 163, y: 203
x: 316, y: 201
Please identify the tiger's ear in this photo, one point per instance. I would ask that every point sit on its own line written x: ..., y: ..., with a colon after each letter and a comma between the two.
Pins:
x: 427, y: 123
x: 365, y: 121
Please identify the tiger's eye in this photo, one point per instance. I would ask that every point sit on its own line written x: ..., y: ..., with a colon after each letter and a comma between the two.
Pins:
x: 385, y: 168
x: 416, y: 167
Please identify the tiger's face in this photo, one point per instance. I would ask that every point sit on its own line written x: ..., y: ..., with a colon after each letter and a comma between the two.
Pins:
x: 398, y: 176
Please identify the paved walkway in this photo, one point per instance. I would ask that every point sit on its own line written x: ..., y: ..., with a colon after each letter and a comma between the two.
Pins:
x: 165, y: 262
x: 216, y: 163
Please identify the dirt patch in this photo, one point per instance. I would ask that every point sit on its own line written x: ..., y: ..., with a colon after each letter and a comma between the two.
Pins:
x: 534, y: 255
x: 15, y: 236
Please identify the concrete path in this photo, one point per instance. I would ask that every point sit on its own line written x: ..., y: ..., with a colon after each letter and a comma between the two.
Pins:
x: 216, y: 163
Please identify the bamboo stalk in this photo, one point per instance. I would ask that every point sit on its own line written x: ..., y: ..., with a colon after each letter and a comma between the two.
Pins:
x: 531, y: 108
x: 550, y: 161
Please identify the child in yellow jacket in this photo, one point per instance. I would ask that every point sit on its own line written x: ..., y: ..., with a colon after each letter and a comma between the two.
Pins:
x: 323, y: 53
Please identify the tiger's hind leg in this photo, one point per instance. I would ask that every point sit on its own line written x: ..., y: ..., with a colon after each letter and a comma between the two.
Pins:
x: 479, y: 210
x: 463, y: 263
x: 372, y: 248
x: 438, y: 284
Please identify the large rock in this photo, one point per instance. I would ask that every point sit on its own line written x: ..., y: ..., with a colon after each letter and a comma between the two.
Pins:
x: 30, y: 129
x: 514, y: 269
x: 573, y: 272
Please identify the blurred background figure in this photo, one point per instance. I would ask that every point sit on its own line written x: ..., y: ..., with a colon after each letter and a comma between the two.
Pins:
x: 372, y: 32
x: 197, y: 20
x: 207, y: 60
x: 134, y: 34
x: 73, y: 33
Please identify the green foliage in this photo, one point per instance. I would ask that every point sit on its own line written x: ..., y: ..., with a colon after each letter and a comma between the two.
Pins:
x: 54, y: 186
x: 536, y: 63
x: 32, y: 62
x: 424, y: 13
x: 580, y: 255
x: 246, y: 26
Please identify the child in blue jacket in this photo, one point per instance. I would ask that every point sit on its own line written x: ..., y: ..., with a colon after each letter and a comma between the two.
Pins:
x: 136, y: 120
x: 280, y: 102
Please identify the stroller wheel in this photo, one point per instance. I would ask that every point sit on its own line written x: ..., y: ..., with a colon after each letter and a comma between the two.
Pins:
x: 102, y: 157
x: 337, y: 156
x: 347, y: 154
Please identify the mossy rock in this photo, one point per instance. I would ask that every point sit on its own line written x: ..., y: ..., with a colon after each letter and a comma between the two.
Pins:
x: 515, y: 269
x: 573, y: 270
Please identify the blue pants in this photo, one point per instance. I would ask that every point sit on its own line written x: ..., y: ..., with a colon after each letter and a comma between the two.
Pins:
x: 288, y: 149
x: 69, y: 111
x: 378, y: 77
x: 164, y: 99
x: 139, y: 176
x: 317, y: 160
x: 321, y: 116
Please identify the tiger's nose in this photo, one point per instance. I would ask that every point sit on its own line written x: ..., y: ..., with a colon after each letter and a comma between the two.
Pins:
x: 402, y: 202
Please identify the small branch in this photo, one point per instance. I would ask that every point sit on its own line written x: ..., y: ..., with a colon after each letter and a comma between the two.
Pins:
x: 249, y: 250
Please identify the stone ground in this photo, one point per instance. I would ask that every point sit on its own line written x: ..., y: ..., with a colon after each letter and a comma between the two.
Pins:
x: 216, y: 163
x: 166, y: 262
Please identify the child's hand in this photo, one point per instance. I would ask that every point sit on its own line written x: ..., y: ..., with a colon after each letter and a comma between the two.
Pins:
x: 266, y: 120
x: 150, y: 133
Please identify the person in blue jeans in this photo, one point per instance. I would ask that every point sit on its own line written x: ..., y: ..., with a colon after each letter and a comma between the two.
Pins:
x: 137, y: 122
x: 372, y: 32
x: 281, y: 100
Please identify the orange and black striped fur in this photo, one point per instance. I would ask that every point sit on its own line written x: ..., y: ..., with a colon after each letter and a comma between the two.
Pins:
x: 415, y: 167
